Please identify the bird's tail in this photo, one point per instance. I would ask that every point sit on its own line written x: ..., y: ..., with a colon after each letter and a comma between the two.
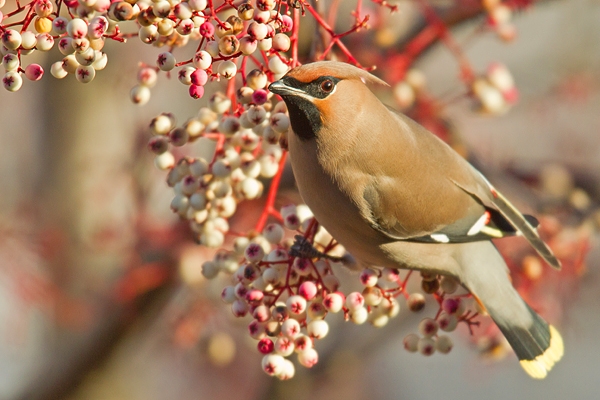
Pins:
x: 538, y: 348
x: 537, y: 344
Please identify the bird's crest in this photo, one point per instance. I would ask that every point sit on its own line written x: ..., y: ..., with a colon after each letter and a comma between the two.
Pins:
x: 309, y: 72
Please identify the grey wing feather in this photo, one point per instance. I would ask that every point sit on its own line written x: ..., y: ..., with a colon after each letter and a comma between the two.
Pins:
x: 519, y: 222
x: 516, y: 219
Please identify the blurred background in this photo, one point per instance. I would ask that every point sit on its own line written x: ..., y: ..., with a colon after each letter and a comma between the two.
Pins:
x: 100, y: 291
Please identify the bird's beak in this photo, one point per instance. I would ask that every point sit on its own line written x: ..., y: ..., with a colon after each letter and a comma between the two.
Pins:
x: 280, y: 88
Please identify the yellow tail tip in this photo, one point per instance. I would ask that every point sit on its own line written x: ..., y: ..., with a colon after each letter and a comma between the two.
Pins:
x: 539, y: 367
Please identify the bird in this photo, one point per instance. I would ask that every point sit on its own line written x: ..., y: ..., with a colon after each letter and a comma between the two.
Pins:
x: 395, y: 195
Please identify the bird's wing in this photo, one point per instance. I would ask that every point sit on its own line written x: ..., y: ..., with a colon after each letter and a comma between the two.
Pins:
x: 521, y: 222
x: 491, y: 216
x: 446, y: 200
x: 480, y: 222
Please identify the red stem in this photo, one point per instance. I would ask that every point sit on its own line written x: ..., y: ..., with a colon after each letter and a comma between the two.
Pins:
x: 335, y: 37
x: 269, y: 208
x: 294, y: 38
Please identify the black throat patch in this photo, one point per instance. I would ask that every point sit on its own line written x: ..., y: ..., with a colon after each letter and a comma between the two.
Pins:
x: 304, y: 117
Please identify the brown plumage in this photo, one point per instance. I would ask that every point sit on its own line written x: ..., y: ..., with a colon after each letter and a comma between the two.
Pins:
x: 395, y: 195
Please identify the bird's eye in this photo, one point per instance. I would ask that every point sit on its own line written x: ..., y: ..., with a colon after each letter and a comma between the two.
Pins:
x: 327, y: 86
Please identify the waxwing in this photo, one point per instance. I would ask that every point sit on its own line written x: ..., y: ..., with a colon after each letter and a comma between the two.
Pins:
x: 397, y: 196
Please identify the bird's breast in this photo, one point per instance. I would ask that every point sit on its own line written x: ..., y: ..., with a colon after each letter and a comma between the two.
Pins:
x: 331, y: 206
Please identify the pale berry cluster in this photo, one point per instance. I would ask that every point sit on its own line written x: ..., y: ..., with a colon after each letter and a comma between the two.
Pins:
x: 495, y: 92
x: 247, y: 149
x: 80, y: 36
x: 452, y: 310
x: 253, y: 30
x: 287, y: 297
x: 81, y: 43
x: 80, y: 27
x: 500, y: 19
x: 288, y: 293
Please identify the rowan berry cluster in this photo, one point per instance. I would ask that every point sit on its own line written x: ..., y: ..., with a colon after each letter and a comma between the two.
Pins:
x: 288, y: 289
x: 251, y: 31
x: 247, y: 149
x: 79, y: 35
x: 80, y: 27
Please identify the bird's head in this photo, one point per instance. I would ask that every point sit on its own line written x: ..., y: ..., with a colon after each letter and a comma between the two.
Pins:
x: 315, y: 93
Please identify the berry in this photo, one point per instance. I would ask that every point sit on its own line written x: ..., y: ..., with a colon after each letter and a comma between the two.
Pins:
x: 415, y: 302
x: 411, y: 342
x: 307, y: 290
x: 369, y: 277
x: 284, y: 346
x: 265, y: 345
x: 166, y: 61
x: 12, y: 81
x: 273, y: 364
x: 443, y: 344
x: 451, y: 305
x: 359, y: 316
x: 308, y: 357
x: 317, y: 329
x: 290, y: 328
x: 447, y: 322
x: 210, y: 269
x: 426, y: 346
x: 428, y: 327
x: 355, y: 301
x: 334, y: 302
x: 296, y: 304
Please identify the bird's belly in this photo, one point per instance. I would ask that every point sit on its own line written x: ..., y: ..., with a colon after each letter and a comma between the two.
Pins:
x: 332, y: 208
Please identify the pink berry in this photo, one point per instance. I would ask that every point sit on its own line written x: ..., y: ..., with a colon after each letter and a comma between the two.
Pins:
x: 286, y: 23
x: 451, y: 306
x: 196, y: 91
x: 308, y: 290
x: 199, y: 77
x: 265, y: 345
x: 207, y: 30
x: 259, y: 96
x: 254, y: 296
